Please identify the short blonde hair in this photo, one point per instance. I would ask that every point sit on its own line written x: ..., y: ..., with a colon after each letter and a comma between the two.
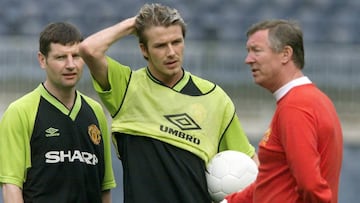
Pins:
x: 157, y: 15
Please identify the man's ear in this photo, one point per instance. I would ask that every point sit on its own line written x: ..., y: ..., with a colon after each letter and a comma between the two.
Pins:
x: 42, y: 60
x: 144, y: 50
x: 287, y: 54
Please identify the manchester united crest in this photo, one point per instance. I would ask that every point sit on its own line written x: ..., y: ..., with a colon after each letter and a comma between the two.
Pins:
x: 94, y: 134
x: 266, y: 136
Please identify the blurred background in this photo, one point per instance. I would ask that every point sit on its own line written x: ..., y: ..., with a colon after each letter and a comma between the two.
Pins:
x: 215, y: 50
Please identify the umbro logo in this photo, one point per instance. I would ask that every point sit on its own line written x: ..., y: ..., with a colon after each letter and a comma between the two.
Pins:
x: 183, y: 121
x: 52, y: 132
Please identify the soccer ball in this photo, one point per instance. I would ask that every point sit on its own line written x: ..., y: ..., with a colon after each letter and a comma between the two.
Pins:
x: 228, y: 172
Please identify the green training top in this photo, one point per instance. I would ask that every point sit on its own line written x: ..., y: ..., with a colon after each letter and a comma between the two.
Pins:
x: 203, y: 124
x: 55, y: 154
x: 165, y: 136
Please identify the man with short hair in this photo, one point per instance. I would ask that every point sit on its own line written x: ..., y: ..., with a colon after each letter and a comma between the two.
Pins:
x: 167, y: 123
x: 54, y: 141
x: 301, y: 151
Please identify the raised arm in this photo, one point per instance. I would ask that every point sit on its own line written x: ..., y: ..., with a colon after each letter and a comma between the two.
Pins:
x: 94, y: 47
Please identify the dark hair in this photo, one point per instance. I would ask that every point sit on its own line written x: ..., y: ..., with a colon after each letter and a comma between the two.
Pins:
x: 58, y: 32
x: 283, y: 33
x: 157, y: 15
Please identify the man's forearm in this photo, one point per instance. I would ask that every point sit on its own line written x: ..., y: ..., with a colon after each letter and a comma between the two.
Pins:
x: 12, y: 193
x: 106, y: 196
x: 101, y: 41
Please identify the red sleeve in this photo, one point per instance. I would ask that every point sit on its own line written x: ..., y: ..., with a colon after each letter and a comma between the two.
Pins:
x: 244, y: 196
x: 299, y: 139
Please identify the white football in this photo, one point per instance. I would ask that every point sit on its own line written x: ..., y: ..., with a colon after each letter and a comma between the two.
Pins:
x: 228, y: 172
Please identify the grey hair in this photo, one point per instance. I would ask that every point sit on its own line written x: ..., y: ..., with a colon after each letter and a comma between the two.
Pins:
x: 283, y: 33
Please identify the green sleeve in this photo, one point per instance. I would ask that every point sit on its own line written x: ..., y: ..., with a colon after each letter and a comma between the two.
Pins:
x: 16, y: 127
x: 109, y: 179
x: 236, y: 139
x: 119, y: 76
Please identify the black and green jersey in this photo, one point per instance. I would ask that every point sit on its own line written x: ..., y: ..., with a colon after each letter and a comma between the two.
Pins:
x: 165, y: 136
x: 55, y: 154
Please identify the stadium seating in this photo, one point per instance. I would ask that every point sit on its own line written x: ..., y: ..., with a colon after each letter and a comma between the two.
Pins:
x: 322, y: 20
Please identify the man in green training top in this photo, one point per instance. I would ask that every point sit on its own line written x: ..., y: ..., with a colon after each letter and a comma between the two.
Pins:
x: 54, y: 141
x: 167, y: 123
